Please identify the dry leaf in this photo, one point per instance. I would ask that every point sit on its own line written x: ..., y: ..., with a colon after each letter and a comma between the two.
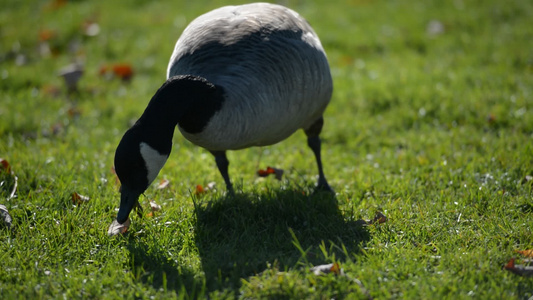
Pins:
x: 378, y: 218
x: 50, y: 90
x: 79, y: 199
x: 199, y: 189
x: 122, y: 71
x: 335, y: 269
x: 265, y: 173
x: 521, y: 270
x: 4, y: 165
x: 278, y: 173
x: 526, y: 253
x: 154, y: 206
x: 328, y: 268
x: 46, y: 35
x: 116, y: 228
x: 163, y: 184
x: 56, y: 4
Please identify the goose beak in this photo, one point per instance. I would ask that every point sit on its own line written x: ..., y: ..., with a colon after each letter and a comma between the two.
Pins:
x: 129, y: 199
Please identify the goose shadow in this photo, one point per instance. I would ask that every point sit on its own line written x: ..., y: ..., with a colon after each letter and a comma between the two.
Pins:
x: 238, y: 236
x: 152, y: 266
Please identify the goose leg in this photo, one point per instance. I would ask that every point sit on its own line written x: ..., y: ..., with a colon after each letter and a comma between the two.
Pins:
x: 313, y: 141
x: 222, y: 164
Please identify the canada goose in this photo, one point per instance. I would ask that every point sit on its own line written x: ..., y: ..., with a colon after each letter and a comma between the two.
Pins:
x: 239, y: 76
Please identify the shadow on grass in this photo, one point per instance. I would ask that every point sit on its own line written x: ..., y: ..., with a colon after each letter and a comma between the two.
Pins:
x: 152, y: 266
x: 238, y: 236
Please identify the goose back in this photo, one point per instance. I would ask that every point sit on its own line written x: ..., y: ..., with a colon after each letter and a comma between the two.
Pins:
x: 270, y: 65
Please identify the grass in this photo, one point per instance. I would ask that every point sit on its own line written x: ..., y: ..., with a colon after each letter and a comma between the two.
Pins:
x: 432, y: 128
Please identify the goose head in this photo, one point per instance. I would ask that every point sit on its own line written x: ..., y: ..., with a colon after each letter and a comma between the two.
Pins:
x: 136, y: 165
x: 146, y: 146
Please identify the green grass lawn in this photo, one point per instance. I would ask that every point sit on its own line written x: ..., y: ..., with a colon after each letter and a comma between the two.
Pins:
x: 431, y: 123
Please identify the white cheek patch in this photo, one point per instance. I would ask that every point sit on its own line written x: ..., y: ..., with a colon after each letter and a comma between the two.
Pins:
x: 153, y: 160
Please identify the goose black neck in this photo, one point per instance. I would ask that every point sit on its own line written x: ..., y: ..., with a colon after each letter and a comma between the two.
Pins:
x: 176, y: 102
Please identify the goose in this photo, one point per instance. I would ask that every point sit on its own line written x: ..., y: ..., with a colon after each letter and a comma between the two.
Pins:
x: 239, y: 77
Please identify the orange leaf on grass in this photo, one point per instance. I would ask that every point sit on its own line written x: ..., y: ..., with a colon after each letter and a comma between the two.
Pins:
x: 265, y: 173
x: 199, y: 189
x: 79, y: 199
x: 336, y: 269
x: 50, y: 90
x: 379, y: 218
x: 154, y: 206
x: 46, y: 35
x: 122, y: 71
x: 526, y: 253
x: 163, y: 184
x: 510, y: 264
x: 278, y: 173
x: 56, y: 4
x: 4, y: 165
x: 522, y: 270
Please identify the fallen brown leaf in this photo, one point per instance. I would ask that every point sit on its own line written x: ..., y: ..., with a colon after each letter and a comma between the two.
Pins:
x: 4, y: 165
x: 46, y: 35
x: 326, y: 269
x: 51, y: 90
x: 154, y: 206
x: 56, y: 4
x: 278, y: 173
x: 79, y: 199
x: 379, y: 218
x: 526, y: 253
x: 163, y: 184
x: 199, y: 189
x: 337, y: 270
x: 122, y: 71
x: 521, y: 270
